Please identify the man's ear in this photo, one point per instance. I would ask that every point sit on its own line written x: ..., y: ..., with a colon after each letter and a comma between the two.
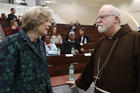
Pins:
x: 116, y: 19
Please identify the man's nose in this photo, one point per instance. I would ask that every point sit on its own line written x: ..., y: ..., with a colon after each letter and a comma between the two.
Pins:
x: 98, y: 20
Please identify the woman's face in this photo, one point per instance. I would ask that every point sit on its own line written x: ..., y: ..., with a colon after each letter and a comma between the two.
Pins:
x: 15, y: 24
x: 43, y: 28
x: 81, y: 32
x: 72, y: 37
x: 3, y: 15
x: 47, y: 39
x: 54, y: 31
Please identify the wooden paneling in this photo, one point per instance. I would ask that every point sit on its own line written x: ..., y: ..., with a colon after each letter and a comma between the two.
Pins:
x: 59, y: 65
x: 90, y: 30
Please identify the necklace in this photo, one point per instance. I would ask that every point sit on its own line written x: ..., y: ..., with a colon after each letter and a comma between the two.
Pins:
x: 98, y: 64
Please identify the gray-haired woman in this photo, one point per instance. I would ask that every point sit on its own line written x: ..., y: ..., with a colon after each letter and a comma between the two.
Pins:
x: 23, y: 65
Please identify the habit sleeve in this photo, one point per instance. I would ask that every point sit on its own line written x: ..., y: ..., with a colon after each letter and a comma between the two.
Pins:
x: 86, y: 78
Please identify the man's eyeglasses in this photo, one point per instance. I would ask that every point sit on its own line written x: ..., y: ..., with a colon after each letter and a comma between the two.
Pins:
x: 102, y: 17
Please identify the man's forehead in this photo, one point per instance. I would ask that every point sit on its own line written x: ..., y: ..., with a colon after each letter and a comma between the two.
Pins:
x: 105, y: 11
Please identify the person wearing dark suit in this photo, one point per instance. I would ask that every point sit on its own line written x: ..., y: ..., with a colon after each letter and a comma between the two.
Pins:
x: 83, y: 38
x: 11, y: 1
x: 12, y: 16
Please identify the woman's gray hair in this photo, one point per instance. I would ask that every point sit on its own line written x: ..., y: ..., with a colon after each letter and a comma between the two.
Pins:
x: 115, y: 10
x: 34, y: 17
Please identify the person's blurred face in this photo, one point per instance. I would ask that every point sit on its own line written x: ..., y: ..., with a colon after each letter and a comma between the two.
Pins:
x: 47, y: 39
x: 13, y: 11
x: 105, y: 20
x: 71, y: 23
x: 15, y: 24
x: 20, y: 18
x: 81, y: 32
x: 43, y: 28
x: 72, y: 37
x: 3, y: 15
x: 52, y: 20
x: 54, y: 31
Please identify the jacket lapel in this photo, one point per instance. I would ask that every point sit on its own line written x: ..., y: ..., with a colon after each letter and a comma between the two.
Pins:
x: 28, y: 42
x: 43, y: 51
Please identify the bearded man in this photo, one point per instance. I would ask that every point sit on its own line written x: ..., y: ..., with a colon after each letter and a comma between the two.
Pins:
x: 115, y: 64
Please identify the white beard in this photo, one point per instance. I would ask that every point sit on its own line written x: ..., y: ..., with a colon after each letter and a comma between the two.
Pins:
x: 102, y: 29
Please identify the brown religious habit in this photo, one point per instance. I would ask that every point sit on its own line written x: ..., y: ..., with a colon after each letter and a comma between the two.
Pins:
x: 115, y: 64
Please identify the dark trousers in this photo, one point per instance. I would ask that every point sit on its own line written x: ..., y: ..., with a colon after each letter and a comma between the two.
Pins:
x: 11, y: 1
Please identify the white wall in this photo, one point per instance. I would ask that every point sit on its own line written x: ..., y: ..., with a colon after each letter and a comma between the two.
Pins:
x: 85, y: 15
x: 136, y: 15
x: 86, y: 10
x: 3, y: 1
x: 31, y: 2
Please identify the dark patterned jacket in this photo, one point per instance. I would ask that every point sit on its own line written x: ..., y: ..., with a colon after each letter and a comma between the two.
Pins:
x: 23, y: 66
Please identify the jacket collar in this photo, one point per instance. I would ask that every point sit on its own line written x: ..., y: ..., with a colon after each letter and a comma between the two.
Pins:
x: 24, y: 36
x: 28, y: 42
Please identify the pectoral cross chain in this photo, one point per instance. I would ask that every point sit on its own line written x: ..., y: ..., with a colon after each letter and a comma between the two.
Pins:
x: 96, y: 77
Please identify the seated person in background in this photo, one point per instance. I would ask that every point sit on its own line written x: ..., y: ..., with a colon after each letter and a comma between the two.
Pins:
x: 12, y: 16
x: 83, y: 38
x: 53, y: 23
x: 2, y: 35
x: 69, y: 44
x: 4, y: 21
x: 51, y: 48
x: 76, y: 23
x: 13, y: 29
x: 71, y: 27
x: 55, y: 36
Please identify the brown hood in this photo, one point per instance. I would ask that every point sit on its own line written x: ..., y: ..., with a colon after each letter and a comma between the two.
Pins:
x: 123, y: 30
